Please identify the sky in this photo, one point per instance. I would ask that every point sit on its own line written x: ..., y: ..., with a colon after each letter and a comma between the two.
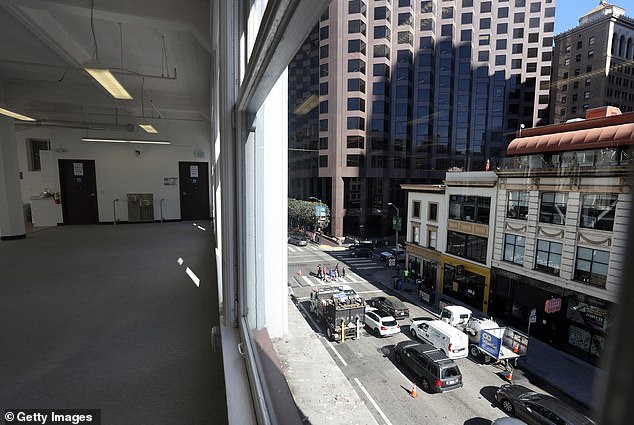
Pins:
x: 568, y: 12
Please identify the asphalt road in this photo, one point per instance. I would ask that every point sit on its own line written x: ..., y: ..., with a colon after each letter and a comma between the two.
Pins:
x: 368, y: 363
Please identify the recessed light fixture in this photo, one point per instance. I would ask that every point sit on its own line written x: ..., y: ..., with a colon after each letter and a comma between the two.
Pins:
x: 149, y: 128
x: 108, y: 81
x: 15, y: 115
x: 149, y: 142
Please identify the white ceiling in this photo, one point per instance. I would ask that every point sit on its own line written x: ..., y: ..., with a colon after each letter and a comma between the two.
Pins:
x: 45, y: 42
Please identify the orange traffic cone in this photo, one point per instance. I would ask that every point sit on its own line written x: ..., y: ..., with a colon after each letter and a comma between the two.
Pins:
x: 413, y: 393
x: 516, y: 349
x: 509, y: 376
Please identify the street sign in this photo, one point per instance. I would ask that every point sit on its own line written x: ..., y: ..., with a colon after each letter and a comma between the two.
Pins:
x: 552, y: 305
x: 320, y: 211
x: 397, y: 223
x: 533, y: 316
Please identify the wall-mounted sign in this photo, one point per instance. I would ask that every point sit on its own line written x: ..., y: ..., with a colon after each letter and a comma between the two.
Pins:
x: 78, y: 169
x: 552, y: 305
x: 193, y: 171
x: 170, y: 181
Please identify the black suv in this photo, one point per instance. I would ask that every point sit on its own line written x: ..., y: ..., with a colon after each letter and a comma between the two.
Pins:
x: 391, y: 305
x: 432, y: 367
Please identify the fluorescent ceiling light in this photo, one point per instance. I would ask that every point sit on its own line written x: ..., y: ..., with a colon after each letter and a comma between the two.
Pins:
x: 149, y: 128
x: 107, y: 80
x: 149, y: 142
x: 14, y: 115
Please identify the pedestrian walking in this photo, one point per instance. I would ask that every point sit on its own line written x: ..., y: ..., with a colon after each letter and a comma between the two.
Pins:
x: 319, y: 271
x: 343, y: 271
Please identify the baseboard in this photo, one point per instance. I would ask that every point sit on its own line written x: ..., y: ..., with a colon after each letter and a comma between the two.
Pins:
x: 12, y: 238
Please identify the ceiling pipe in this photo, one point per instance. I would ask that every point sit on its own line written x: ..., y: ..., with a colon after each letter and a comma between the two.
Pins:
x: 77, y: 125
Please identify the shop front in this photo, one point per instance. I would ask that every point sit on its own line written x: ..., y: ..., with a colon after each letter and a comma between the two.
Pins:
x: 566, y: 319
x: 466, y: 282
x: 423, y: 266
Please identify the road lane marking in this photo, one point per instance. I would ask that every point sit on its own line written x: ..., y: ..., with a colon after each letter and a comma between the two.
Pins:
x: 290, y: 248
x: 369, y: 267
x: 310, y: 317
x: 193, y: 276
x: 376, y: 406
x: 307, y: 280
x: 337, y: 353
x: 355, y: 276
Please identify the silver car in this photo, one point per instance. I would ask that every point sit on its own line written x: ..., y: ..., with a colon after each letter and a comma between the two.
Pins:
x: 297, y: 239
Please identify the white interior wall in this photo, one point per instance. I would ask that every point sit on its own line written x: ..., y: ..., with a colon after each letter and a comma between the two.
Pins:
x: 119, y: 170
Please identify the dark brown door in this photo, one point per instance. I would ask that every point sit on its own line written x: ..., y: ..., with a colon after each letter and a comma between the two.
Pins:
x: 78, y: 191
x: 194, y: 188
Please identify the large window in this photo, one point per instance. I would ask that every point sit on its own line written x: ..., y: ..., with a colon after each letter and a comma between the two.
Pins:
x: 597, y: 211
x: 467, y: 246
x: 517, y: 205
x: 553, y: 208
x: 592, y: 266
x: 431, y: 238
x: 514, y: 249
x: 416, y: 209
x: 432, y: 212
x: 416, y: 234
x: 470, y: 208
x: 548, y: 256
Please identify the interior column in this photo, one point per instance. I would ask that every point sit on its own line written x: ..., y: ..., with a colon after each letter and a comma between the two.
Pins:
x: 11, y: 210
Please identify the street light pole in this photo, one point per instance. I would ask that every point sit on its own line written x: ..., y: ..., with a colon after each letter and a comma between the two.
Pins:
x: 395, y: 227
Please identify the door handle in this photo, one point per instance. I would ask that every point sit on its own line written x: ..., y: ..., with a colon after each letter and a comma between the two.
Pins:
x: 92, y: 194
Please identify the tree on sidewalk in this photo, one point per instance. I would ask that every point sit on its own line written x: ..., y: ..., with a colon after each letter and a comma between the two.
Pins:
x: 303, y: 213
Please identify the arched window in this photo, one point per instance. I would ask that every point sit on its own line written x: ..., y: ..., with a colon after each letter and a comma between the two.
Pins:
x: 614, y: 41
x: 628, y: 51
x: 622, y: 46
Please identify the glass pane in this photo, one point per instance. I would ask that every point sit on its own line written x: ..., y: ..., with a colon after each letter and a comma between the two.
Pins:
x: 583, y: 265
x: 601, y: 256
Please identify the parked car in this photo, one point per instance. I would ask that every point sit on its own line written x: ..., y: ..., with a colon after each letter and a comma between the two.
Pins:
x: 362, y: 244
x: 361, y: 252
x: 434, y: 370
x: 297, y: 239
x: 380, y: 322
x: 390, y: 305
x: 537, y: 409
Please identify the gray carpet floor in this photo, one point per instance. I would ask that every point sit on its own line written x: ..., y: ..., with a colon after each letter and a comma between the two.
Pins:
x: 103, y: 317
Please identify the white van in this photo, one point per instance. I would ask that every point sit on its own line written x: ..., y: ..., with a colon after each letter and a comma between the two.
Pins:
x: 441, y: 335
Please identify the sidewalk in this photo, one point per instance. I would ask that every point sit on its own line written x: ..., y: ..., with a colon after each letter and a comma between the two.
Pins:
x: 322, y: 393
x: 562, y: 371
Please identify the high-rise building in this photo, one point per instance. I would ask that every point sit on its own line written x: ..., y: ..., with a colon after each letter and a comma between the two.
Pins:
x: 593, y: 64
x: 406, y: 90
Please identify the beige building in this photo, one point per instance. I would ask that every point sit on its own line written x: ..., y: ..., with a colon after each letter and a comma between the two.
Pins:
x: 564, y: 196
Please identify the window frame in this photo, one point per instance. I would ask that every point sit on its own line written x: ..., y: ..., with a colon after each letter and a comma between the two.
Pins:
x: 551, y: 209
x: 521, y: 203
x: 549, y: 254
x: 516, y: 246
x: 579, y: 275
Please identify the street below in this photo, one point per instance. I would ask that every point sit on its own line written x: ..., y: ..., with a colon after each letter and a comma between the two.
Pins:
x: 368, y: 362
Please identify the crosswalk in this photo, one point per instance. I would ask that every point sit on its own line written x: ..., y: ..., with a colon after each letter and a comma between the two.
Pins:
x: 350, y: 278
x: 307, y: 248
x: 358, y: 263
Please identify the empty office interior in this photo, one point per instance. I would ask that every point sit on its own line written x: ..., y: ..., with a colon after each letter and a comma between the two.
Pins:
x: 199, y: 136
